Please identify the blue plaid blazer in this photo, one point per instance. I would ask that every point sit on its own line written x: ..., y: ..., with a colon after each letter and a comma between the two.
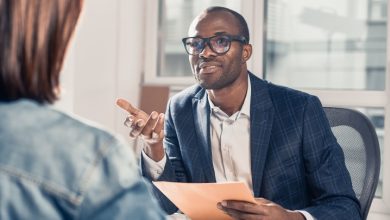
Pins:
x: 295, y: 159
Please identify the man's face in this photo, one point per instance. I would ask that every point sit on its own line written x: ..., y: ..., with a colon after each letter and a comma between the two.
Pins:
x: 213, y: 71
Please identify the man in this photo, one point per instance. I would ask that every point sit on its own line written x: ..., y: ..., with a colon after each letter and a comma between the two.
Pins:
x: 234, y: 126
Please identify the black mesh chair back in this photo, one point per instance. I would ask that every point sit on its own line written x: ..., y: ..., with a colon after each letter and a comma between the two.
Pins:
x: 357, y: 137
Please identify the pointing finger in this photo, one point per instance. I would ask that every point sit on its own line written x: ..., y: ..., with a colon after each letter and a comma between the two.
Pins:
x: 127, y: 106
x: 138, y: 113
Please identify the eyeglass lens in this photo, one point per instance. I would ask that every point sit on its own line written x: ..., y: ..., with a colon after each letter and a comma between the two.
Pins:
x: 218, y: 44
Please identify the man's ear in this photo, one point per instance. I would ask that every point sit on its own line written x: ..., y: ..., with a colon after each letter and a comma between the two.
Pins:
x: 246, y: 52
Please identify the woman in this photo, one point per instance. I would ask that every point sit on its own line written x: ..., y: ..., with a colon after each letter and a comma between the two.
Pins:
x: 53, y: 166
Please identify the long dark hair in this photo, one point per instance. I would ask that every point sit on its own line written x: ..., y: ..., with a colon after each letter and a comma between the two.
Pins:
x: 34, y: 35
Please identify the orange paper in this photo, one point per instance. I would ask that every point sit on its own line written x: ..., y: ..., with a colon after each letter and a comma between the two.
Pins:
x: 199, y: 200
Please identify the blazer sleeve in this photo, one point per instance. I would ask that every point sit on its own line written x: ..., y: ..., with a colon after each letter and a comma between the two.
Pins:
x: 328, y: 179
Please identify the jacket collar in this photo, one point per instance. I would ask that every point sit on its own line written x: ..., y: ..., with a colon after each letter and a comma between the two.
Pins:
x: 261, y: 117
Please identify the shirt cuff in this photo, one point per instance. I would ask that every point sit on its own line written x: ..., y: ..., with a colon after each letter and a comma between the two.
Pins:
x: 153, y: 168
x: 307, y: 215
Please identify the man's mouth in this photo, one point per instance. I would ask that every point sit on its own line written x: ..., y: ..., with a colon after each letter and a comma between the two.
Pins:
x: 206, y: 68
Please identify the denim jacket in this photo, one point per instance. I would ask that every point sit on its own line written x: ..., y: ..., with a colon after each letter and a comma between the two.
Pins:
x: 53, y: 166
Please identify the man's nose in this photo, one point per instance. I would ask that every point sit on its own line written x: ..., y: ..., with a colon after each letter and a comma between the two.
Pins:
x: 207, y: 51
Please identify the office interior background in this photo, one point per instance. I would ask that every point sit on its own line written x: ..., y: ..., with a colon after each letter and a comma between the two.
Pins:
x: 335, y: 49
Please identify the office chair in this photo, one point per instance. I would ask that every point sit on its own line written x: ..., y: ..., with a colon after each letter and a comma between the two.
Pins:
x: 357, y: 137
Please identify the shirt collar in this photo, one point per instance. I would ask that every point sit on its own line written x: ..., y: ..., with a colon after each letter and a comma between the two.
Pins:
x: 245, y: 109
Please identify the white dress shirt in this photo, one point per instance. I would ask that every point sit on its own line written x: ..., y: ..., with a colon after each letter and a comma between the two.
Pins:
x: 230, y: 146
x: 230, y: 143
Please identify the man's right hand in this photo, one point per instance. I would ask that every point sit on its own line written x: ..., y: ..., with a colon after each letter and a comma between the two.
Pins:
x: 148, y: 127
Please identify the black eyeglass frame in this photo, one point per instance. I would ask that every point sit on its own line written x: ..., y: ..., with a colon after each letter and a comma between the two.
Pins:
x: 206, y: 40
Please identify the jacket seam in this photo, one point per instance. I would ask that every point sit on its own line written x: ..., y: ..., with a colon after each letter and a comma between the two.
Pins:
x: 69, y: 196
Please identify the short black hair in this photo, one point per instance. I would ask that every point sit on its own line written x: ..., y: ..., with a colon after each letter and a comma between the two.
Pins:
x: 244, y: 30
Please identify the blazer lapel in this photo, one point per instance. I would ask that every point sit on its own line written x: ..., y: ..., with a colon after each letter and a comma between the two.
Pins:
x: 262, y: 115
x: 202, y: 127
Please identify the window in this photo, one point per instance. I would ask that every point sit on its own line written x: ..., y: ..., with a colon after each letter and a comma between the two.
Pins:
x: 326, y: 44
x: 336, y: 50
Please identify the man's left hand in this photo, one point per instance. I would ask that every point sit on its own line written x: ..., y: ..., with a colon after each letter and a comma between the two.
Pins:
x: 262, y: 210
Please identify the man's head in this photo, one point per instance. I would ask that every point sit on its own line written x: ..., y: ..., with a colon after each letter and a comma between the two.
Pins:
x: 218, y: 47
x: 34, y: 38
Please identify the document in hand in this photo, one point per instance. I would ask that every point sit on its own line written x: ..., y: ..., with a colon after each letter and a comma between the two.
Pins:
x: 199, y: 200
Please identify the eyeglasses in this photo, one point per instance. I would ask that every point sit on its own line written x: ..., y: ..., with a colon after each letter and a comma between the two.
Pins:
x: 219, y: 44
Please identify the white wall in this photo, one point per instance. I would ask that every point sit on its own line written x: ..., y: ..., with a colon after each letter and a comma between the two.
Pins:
x: 105, y: 61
